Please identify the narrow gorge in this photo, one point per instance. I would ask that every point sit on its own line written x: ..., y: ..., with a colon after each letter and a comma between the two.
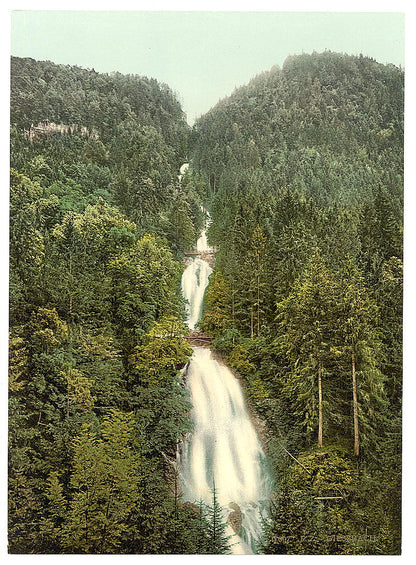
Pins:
x: 152, y: 413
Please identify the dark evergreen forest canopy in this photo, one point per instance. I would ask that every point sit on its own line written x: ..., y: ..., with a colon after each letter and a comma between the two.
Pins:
x: 302, y: 171
x: 304, y: 168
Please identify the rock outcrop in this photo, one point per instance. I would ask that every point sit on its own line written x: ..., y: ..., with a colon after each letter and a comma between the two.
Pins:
x: 235, y: 517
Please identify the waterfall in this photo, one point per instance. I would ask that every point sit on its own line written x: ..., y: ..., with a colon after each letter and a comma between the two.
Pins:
x: 223, y: 447
x: 194, y: 282
x: 182, y: 171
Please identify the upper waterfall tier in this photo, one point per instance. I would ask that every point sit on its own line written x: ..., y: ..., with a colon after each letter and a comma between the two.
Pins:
x: 194, y: 283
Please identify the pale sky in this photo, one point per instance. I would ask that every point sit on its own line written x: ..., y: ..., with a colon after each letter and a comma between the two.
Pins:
x: 202, y: 56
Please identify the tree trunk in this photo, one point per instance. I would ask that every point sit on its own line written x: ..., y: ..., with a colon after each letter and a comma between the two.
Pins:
x: 233, y: 306
x: 70, y: 290
x: 258, y: 302
x: 252, y: 323
x: 319, y: 406
x: 355, y: 407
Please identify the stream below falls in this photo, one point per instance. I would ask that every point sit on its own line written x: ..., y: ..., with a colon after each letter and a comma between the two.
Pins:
x: 223, y: 449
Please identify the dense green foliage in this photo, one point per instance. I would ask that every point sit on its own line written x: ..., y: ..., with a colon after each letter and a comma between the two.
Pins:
x: 98, y: 221
x: 121, y: 138
x: 305, y: 173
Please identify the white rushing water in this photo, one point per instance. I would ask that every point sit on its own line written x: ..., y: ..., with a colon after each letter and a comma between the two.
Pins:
x: 182, y: 171
x: 194, y: 282
x: 223, y: 448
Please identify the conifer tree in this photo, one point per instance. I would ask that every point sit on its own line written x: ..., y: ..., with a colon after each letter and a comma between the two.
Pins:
x: 363, y: 347
x: 217, y: 539
x: 306, y: 322
x: 104, y: 487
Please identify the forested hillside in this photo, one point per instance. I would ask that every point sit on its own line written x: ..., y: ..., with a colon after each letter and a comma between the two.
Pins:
x: 97, y: 224
x: 305, y: 172
x: 302, y: 171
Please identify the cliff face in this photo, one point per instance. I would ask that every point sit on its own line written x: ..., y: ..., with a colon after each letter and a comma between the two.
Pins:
x: 50, y: 128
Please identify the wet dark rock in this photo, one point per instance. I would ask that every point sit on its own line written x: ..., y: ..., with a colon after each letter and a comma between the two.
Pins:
x: 235, y: 518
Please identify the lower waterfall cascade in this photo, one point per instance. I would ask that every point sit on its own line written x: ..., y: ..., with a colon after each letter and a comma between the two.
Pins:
x: 223, y: 449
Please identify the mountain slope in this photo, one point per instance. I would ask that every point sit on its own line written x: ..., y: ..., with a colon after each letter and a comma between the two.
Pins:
x: 327, y: 125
